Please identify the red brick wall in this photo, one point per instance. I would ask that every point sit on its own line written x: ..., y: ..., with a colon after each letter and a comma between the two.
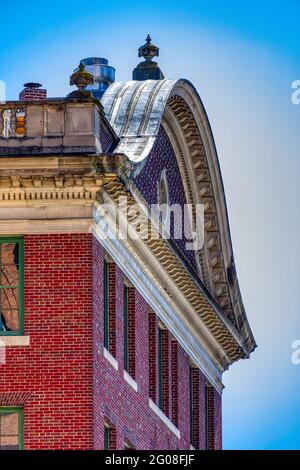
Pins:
x: 68, y: 388
x: 214, y: 419
x: 218, y: 421
x: 53, y: 377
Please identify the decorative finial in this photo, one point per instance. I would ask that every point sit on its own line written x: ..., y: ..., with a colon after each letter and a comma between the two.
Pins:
x: 81, y: 79
x: 148, y: 70
x: 148, y: 50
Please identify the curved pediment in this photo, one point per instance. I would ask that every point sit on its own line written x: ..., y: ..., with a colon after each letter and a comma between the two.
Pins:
x: 137, y: 111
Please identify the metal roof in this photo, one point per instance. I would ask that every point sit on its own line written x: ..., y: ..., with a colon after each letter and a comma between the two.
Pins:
x: 134, y: 109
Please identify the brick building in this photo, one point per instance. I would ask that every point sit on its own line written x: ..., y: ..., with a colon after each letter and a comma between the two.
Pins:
x: 116, y: 329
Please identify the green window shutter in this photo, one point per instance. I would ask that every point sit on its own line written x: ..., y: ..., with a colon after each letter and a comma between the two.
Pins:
x: 126, y: 330
x: 106, y: 308
x: 11, y: 286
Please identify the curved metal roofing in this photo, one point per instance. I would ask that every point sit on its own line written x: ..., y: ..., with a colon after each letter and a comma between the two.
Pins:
x: 134, y: 109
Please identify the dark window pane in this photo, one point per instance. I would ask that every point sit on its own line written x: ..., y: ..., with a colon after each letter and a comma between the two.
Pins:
x: 9, y: 254
x: 9, y: 424
x: 9, y: 264
x: 9, y: 299
x: 9, y: 431
x: 9, y: 320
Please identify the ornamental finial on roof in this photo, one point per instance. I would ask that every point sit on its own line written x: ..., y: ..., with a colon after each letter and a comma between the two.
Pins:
x: 148, y: 70
x: 148, y: 50
x: 81, y: 78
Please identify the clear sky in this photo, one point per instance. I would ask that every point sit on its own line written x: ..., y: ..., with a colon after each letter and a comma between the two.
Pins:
x: 242, y: 56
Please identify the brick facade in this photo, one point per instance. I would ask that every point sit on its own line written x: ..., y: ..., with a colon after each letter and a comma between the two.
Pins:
x: 68, y: 389
x: 162, y: 157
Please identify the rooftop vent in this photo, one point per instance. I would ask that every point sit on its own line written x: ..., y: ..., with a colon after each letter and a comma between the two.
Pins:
x: 103, y: 74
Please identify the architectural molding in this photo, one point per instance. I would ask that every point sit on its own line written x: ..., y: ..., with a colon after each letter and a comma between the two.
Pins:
x: 136, y: 113
x: 11, y: 340
x: 190, y: 338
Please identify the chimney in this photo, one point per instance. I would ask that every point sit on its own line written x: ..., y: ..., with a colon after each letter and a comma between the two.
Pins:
x: 33, y: 92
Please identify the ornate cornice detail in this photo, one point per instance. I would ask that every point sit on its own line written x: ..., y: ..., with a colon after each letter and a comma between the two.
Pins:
x: 56, y: 178
x: 214, y: 269
x: 52, y: 188
x: 215, y: 322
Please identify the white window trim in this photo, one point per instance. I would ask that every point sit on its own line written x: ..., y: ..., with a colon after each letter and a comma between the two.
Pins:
x: 130, y: 381
x: 164, y: 418
x: 110, y: 358
x: 14, y: 340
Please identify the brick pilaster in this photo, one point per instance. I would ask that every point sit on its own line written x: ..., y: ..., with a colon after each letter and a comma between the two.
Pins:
x: 131, y: 332
x: 174, y: 381
x: 112, y: 318
x: 153, y: 346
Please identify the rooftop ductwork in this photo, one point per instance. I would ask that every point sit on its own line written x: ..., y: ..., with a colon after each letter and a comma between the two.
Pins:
x: 103, y: 74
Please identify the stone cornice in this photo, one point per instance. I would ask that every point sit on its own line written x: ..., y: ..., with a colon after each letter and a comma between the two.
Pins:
x: 55, y: 179
x: 171, y: 270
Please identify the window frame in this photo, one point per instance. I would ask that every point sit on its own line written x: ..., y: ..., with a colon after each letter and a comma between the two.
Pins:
x: 20, y: 411
x: 20, y: 242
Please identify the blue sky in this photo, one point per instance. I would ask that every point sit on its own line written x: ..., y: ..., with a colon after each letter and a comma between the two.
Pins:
x: 242, y: 57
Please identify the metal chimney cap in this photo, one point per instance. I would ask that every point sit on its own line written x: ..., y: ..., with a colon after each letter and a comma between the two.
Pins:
x: 32, y: 85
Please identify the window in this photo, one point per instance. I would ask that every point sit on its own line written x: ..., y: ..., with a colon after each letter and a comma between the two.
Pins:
x: 106, y: 306
x: 163, y: 198
x: 11, y: 286
x: 106, y: 437
x: 11, y: 428
x: 109, y: 437
x: 128, y: 446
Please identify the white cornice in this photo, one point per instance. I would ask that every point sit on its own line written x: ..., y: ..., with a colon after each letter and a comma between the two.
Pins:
x: 171, y: 315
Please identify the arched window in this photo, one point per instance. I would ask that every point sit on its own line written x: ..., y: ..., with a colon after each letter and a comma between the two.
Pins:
x: 163, y: 198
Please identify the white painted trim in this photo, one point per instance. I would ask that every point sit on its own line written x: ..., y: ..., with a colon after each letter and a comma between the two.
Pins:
x: 130, y: 381
x: 110, y: 358
x: 164, y: 418
x: 192, y: 447
x: 156, y: 298
x: 15, y: 340
x: 15, y: 227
